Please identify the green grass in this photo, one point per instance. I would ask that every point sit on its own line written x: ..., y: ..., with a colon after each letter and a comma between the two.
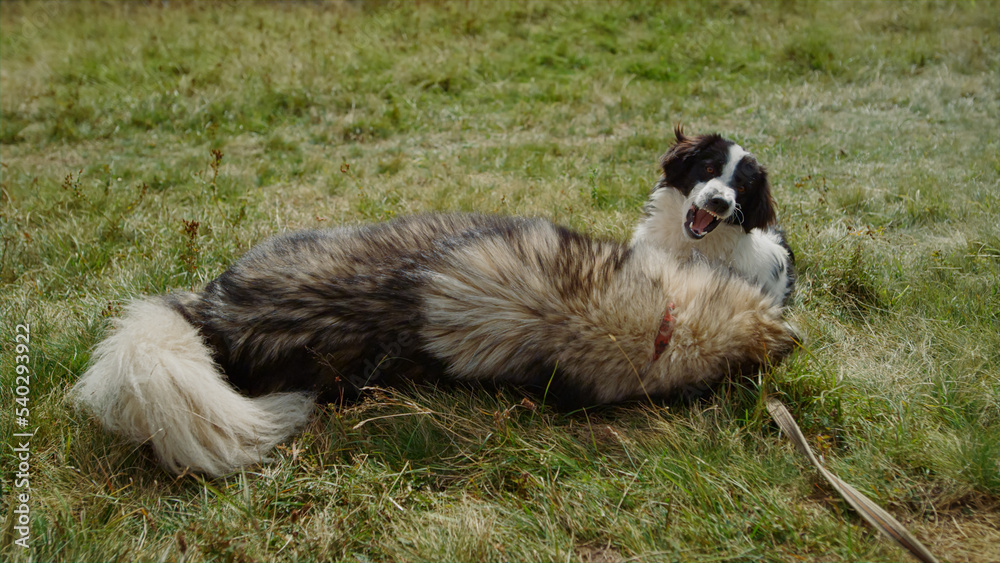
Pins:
x: 879, y: 123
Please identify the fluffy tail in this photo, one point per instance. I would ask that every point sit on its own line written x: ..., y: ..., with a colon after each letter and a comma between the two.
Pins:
x: 154, y: 381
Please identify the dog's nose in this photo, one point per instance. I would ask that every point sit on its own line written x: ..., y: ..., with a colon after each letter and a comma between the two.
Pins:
x: 717, y: 205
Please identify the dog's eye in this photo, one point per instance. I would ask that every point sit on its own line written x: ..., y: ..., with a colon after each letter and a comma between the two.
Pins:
x: 710, y: 169
x: 741, y: 188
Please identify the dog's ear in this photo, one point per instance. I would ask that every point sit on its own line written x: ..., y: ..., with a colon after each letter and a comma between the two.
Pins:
x: 679, y: 132
x: 676, y: 161
x: 759, y: 210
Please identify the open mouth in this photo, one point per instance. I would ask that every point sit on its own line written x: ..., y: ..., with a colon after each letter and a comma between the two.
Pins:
x: 700, y: 222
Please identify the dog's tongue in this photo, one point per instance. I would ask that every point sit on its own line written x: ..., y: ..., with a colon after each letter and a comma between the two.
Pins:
x: 702, y: 219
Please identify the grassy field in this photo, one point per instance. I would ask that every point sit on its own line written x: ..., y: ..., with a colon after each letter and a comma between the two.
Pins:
x: 879, y: 123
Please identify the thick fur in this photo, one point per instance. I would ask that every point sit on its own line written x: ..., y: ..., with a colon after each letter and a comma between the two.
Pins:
x: 214, y: 379
x: 154, y: 380
x: 713, y: 203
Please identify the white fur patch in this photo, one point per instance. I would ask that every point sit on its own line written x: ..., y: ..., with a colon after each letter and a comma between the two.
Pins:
x: 664, y: 229
x: 154, y: 380
x: 736, y: 154
x: 760, y: 257
x: 714, y: 188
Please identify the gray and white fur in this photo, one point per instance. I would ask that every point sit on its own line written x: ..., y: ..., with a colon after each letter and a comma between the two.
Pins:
x: 213, y: 380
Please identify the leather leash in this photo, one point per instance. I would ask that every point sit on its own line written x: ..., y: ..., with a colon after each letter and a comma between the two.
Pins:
x: 871, y: 512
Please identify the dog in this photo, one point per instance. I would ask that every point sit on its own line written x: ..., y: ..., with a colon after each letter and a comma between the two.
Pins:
x: 714, y: 204
x: 213, y: 380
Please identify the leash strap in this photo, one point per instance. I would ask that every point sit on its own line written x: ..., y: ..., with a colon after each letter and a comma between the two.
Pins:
x: 871, y: 512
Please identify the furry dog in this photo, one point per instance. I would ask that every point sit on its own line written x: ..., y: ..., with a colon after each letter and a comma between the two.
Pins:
x: 714, y: 203
x: 213, y: 380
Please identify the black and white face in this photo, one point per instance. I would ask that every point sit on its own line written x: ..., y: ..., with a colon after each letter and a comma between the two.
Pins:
x: 721, y: 183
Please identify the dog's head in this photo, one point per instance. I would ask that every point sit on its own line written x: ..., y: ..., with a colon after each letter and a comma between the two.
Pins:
x: 720, y: 181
